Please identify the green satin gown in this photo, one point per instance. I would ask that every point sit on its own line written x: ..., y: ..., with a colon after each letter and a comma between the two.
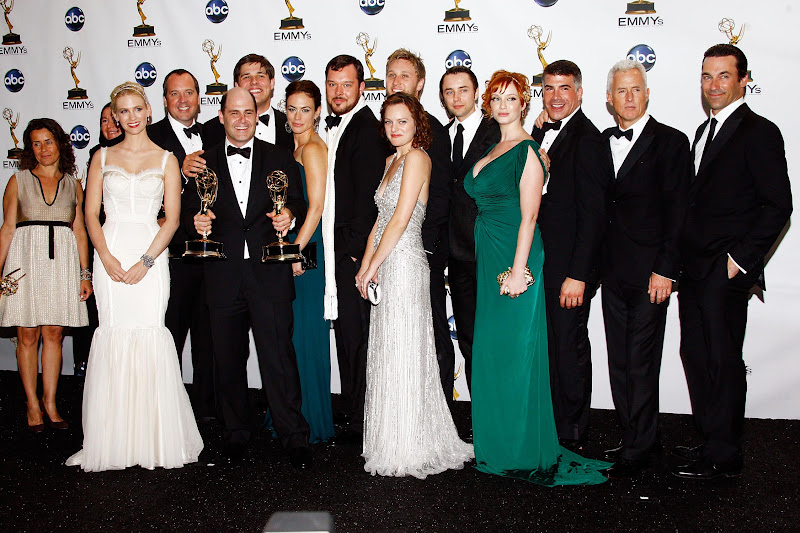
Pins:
x: 514, y: 430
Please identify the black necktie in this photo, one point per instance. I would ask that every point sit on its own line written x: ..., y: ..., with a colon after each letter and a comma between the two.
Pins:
x: 331, y: 121
x: 547, y: 126
x: 264, y: 119
x: 194, y: 130
x: 618, y: 133
x: 458, y: 146
x: 709, y: 138
x: 244, y: 152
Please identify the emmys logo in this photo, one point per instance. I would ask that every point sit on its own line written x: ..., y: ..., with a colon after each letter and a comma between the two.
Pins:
x: 644, y: 55
x: 217, y: 11
x: 640, y: 7
x: 453, y: 17
x: 293, y: 69
x: 79, y: 136
x: 372, y: 7
x: 535, y: 34
x: 728, y: 28
x: 10, y: 39
x: 145, y: 74
x: 458, y: 58
x: 16, y: 152
x: 144, y: 34
x: 74, y: 19
x: 372, y: 83
x: 14, y: 80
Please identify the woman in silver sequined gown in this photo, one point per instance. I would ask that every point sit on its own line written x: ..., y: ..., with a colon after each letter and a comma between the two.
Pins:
x: 408, y: 429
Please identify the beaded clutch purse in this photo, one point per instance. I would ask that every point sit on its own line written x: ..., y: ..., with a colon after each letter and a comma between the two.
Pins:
x: 503, y: 276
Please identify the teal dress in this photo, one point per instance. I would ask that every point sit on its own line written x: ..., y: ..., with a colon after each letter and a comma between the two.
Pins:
x: 514, y: 429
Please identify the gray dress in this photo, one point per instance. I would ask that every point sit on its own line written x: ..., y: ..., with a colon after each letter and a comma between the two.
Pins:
x: 45, y: 250
x: 408, y: 429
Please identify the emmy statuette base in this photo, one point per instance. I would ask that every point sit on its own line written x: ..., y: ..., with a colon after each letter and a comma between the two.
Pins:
x: 641, y: 8
x: 15, y: 153
x: 77, y: 94
x: 373, y: 84
x: 292, y: 23
x: 216, y: 88
x: 456, y: 15
x: 11, y: 38
x: 204, y: 249
x: 144, y: 30
x: 537, y: 80
x: 281, y: 252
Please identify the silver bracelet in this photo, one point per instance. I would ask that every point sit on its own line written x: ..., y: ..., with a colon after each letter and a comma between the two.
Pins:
x: 148, y: 261
x: 86, y: 274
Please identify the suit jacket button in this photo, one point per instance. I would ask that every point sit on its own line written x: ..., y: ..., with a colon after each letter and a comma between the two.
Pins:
x: 247, y: 229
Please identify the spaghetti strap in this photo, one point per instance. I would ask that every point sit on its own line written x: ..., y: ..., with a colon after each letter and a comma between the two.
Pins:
x: 102, y: 158
x: 164, y: 160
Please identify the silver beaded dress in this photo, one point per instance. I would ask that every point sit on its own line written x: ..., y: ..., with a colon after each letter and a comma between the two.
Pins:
x: 408, y: 429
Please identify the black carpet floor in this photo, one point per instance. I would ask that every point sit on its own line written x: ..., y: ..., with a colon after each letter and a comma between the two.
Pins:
x: 38, y: 493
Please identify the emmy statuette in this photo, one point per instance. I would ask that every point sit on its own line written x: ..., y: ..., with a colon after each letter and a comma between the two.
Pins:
x: 216, y: 87
x: 535, y: 34
x: 143, y: 30
x: 372, y: 83
x: 207, y: 186
x: 77, y: 93
x: 457, y: 14
x: 728, y: 26
x: 10, y: 37
x: 279, y: 251
x: 16, y: 152
x: 641, y: 7
x: 291, y: 22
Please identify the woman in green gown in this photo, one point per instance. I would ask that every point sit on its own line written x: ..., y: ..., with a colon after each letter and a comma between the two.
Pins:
x: 512, y: 415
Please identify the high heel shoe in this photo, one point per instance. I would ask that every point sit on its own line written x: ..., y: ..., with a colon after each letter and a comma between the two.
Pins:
x: 60, y: 424
x: 36, y: 428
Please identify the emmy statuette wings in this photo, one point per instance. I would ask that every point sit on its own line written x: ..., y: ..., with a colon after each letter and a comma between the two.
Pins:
x: 207, y: 186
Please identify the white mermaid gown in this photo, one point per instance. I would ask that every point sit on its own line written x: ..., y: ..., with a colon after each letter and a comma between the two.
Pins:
x: 135, y: 408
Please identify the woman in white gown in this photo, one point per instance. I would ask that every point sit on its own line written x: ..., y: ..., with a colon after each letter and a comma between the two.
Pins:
x: 408, y: 429
x: 135, y: 407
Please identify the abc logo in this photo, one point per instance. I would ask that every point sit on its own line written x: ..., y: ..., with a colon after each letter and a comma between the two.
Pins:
x: 79, y: 136
x: 644, y: 55
x: 458, y: 58
x: 146, y: 74
x: 74, y: 19
x: 372, y: 7
x: 293, y: 69
x: 14, y: 80
x: 546, y: 3
x: 217, y: 11
x: 452, y: 323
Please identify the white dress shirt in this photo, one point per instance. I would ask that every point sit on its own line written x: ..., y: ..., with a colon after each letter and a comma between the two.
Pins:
x: 189, y: 145
x: 471, y: 125
x: 266, y: 133
x: 240, y: 169
x: 550, y: 137
x: 620, y: 148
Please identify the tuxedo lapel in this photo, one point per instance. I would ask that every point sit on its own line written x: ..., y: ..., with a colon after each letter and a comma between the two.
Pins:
x: 257, y: 181
x: 225, y: 193
x: 638, y: 149
x: 723, y: 136
x: 472, y: 153
x: 565, y: 132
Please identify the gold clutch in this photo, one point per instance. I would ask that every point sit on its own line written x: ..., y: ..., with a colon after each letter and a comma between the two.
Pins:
x: 503, y: 276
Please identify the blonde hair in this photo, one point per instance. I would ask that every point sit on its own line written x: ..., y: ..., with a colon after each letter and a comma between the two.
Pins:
x: 129, y: 87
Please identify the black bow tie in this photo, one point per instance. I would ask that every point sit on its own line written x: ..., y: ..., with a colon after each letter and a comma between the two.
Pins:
x: 194, y: 130
x: 618, y: 133
x: 331, y: 121
x: 264, y: 119
x: 547, y: 126
x: 244, y: 152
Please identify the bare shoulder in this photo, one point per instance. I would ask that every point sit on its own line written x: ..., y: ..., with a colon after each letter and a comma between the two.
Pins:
x: 418, y: 157
x: 315, y: 148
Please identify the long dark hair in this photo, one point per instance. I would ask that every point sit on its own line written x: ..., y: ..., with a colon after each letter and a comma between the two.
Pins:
x: 66, y: 157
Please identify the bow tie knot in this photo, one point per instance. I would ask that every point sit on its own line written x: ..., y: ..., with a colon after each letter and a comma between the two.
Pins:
x: 331, y: 121
x: 547, y: 126
x: 618, y: 133
x: 193, y: 130
x: 244, y: 152
x: 264, y: 119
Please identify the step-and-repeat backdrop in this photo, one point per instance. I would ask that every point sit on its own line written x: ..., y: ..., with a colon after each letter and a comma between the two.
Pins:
x: 61, y: 58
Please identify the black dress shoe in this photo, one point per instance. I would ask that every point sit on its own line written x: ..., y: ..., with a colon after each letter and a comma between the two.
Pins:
x: 689, y: 454
x: 629, y: 468
x: 300, y: 458
x: 707, y: 469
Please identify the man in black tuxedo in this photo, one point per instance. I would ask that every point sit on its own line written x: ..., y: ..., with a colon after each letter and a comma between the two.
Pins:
x: 242, y: 291
x: 256, y: 74
x: 739, y: 201
x: 353, y: 177
x: 646, y: 207
x: 187, y: 310
x: 571, y: 219
x: 471, y: 135
x: 405, y: 72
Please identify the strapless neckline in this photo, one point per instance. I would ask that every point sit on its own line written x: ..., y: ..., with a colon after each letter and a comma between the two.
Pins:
x: 123, y: 170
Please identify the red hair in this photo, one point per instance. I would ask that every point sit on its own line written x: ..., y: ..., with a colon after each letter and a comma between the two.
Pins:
x: 498, y: 83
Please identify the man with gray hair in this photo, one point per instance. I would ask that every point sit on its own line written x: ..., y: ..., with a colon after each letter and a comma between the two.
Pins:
x: 646, y: 206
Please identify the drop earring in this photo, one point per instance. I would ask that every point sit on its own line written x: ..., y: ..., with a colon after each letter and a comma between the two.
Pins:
x: 287, y: 127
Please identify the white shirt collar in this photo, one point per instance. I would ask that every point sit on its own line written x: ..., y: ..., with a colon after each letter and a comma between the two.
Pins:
x: 472, y: 122
x: 638, y: 127
x: 177, y: 127
x: 723, y: 114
